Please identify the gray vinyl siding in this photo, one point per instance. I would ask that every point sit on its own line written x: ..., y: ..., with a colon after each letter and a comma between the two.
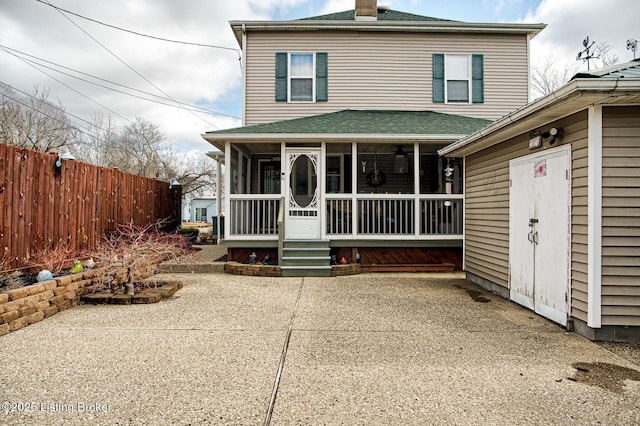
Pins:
x: 578, y: 135
x: 372, y: 70
x: 487, y: 208
x: 621, y: 216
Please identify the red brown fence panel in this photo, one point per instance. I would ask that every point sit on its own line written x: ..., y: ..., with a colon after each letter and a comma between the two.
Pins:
x: 75, y: 205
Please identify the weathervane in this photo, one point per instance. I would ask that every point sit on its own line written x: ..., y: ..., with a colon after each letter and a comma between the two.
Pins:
x: 585, y: 55
x: 632, y: 44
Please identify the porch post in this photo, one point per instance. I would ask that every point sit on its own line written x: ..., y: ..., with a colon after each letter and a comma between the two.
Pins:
x: 416, y: 188
x: 218, y: 196
x: 322, y: 184
x: 354, y: 188
x: 227, y: 185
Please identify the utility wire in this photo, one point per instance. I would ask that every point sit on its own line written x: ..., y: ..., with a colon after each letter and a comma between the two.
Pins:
x: 62, y: 110
x: 126, y: 64
x: 52, y: 117
x: 193, y: 107
x: 137, y: 33
x: 67, y: 86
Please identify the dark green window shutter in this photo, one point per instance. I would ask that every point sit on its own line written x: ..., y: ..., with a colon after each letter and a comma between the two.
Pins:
x: 438, y: 77
x: 281, y: 76
x: 477, y: 78
x: 322, y: 94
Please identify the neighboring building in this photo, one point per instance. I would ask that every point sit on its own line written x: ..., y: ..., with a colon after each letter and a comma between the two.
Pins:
x: 552, y: 197
x: 200, y: 209
x: 343, y: 116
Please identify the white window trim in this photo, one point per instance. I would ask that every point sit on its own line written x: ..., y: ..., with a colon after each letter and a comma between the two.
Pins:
x: 469, y: 80
x: 312, y: 76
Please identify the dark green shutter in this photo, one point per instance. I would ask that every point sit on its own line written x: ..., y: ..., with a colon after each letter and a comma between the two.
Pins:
x: 322, y: 94
x: 477, y: 77
x: 438, y: 77
x: 281, y: 76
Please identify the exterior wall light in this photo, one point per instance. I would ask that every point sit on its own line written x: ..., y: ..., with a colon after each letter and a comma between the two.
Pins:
x: 535, y: 139
x: 553, y: 133
x: 173, y: 182
x: 63, y: 154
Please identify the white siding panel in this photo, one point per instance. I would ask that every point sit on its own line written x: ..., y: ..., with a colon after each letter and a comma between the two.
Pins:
x: 384, y: 71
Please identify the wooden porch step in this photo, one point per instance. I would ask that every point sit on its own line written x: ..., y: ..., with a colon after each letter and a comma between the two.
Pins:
x: 438, y: 267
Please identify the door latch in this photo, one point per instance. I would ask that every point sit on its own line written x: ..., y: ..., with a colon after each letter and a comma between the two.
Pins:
x: 533, y: 235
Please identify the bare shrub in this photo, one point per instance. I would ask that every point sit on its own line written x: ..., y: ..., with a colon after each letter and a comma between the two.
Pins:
x: 130, y: 247
x: 53, y: 258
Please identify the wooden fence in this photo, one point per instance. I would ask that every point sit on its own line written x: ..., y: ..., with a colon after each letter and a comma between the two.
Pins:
x: 42, y: 205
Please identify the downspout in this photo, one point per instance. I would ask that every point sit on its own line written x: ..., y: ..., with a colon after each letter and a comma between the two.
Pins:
x: 244, y: 74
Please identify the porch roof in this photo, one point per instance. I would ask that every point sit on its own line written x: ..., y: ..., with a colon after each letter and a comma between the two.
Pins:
x: 365, y: 125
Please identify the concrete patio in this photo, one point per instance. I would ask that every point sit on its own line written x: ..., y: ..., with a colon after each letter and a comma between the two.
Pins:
x: 366, y: 349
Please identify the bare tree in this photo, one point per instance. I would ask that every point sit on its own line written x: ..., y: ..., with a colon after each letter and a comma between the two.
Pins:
x: 98, y: 138
x: 197, y: 175
x: 548, y: 76
x: 139, y: 148
x: 30, y: 120
x: 606, y: 54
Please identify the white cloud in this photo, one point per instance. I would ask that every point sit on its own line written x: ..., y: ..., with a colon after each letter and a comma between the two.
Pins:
x: 570, y: 21
x: 206, y: 76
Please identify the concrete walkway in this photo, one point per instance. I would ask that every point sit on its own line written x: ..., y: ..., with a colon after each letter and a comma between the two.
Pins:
x: 368, y: 349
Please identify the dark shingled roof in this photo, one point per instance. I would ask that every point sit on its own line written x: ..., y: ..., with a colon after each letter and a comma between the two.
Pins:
x: 383, y: 15
x: 369, y: 122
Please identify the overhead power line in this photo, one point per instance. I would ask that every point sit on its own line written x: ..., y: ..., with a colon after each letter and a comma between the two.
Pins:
x: 35, y: 60
x: 238, y: 51
x: 35, y: 98
x: 51, y: 116
x: 125, y: 63
x: 67, y: 86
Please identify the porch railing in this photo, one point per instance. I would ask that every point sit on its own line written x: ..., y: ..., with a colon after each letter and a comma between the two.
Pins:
x: 375, y: 216
x: 394, y: 215
x: 254, y: 215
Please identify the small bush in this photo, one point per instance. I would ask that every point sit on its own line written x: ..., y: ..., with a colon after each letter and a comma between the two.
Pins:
x: 129, y: 246
x: 53, y: 258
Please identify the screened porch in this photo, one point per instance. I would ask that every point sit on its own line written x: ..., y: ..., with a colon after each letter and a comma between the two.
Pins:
x: 361, y: 191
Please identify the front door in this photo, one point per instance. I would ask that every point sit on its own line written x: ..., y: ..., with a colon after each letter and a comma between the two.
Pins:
x: 539, y: 232
x: 302, y: 214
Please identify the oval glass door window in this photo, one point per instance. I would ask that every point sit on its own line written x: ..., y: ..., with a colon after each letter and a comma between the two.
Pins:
x: 303, y: 181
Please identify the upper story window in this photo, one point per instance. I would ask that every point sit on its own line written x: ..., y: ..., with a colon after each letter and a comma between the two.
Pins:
x: 458, y: 79
x: 457, y: 73
x: 301, y: 77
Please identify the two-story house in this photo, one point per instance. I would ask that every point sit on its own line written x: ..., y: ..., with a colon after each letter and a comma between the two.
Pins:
x: 343, y: 115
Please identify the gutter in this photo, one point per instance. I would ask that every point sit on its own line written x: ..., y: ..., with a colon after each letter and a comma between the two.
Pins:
x: 391, y: 26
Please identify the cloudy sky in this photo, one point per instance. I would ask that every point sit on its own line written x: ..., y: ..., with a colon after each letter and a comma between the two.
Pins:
x: 37, y: 41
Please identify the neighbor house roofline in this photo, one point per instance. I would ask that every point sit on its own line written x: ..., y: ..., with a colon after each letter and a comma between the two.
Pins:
x: 392, y: 26
x: 575, y: 96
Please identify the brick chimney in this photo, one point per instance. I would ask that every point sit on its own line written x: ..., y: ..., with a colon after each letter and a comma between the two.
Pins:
x: 366, y: 10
